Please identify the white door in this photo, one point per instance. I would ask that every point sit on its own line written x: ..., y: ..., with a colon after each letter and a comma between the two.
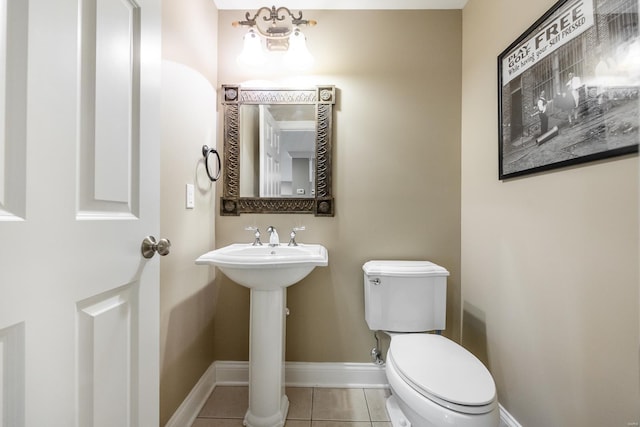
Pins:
x: 269, y: 154
x: 79, y: 190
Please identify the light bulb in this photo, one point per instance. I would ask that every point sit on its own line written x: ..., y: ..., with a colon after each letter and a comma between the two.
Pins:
x: 252, y: 53
x: 298, y: 56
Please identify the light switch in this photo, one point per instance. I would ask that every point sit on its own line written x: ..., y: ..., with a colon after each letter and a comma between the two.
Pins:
x: 190, y: 197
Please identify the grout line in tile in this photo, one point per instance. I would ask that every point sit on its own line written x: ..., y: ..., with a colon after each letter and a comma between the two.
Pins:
x: 218, y: 418
x: 366, y: 402
x: 313, y: 395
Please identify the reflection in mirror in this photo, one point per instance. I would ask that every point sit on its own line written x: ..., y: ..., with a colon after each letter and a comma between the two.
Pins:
x: 277, y: 150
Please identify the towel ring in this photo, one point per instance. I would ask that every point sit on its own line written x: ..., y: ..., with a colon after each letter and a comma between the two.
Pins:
x: 205, y: 152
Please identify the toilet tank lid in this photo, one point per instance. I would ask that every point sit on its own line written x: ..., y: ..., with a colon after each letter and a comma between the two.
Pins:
x: 403, y: 268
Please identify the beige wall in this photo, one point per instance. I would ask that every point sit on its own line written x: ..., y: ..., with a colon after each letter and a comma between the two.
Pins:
x: 396, y: 175
x: 188, y: 121
x: 549, y: 262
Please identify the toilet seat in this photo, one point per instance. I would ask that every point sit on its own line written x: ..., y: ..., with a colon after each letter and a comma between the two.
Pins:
x: 443, y: 372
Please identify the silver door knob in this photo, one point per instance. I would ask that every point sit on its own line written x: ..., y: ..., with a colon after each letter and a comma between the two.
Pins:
x: 150, y: 246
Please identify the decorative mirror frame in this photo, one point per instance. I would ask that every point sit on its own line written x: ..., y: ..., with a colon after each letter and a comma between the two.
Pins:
x: 233, y: 96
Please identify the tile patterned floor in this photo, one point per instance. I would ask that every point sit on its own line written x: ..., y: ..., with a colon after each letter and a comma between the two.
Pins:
x: 308, y: 407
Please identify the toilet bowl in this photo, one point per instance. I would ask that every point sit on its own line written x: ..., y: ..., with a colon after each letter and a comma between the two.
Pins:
x: 434, y: 381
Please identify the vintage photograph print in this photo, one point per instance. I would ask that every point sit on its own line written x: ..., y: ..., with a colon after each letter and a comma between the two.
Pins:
x: 569, y: 88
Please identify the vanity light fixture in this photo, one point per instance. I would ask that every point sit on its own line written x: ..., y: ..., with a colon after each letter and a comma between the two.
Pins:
x: 280, y: 28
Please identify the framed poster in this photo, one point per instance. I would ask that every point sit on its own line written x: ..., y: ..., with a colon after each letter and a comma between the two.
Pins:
x: 568, y: 88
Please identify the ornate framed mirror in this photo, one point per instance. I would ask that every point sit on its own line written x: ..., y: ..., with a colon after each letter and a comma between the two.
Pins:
x: 277, y: 150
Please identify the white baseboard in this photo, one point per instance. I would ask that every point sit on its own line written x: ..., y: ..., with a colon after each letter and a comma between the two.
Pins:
x: 187, y: 412
x: 297, y: 374
x: 308, y: 374
x: 231, y: 373
x: 506, y: 419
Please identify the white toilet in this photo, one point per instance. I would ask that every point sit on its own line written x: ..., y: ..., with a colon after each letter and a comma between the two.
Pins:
x: 434, y: 381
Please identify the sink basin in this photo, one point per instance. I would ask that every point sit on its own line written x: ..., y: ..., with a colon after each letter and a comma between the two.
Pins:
x: 266, y: 267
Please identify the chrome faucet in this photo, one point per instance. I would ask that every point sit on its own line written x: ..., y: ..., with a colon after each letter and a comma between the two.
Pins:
x: 274, y: 240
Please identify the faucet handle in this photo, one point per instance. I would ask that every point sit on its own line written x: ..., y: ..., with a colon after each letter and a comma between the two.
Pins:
x: 256, y: 235
x: 292, y: 236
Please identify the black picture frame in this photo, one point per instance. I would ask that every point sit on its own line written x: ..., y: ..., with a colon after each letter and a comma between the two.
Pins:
x: 568, y: 88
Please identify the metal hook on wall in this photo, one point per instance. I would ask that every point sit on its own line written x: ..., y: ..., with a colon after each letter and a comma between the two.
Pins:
x: 206, y: 151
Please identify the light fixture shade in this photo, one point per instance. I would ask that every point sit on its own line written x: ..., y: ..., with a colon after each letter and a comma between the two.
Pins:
x: 252, y: 53
x: 298, y: 56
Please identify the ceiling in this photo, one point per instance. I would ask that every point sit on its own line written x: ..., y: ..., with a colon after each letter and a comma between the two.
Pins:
x: 342, y: 4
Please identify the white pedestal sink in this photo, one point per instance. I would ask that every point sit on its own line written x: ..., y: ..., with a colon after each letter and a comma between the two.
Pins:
x: 267, y: 271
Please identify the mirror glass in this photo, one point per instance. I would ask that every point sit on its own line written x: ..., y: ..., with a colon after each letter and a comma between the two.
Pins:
x: 277, y: 150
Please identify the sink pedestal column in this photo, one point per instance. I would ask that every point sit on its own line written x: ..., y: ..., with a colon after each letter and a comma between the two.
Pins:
x: 268, y: 404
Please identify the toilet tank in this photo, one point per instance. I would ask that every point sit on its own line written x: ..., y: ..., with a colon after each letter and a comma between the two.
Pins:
x: 405, y: 296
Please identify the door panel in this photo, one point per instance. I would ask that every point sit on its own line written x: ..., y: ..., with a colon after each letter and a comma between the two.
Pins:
x: 107, y: 362
x: 13, y: 99
x: 269, y: 154
x: 12, y: 375
x: 78, y: 302
x: 109, y: 106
